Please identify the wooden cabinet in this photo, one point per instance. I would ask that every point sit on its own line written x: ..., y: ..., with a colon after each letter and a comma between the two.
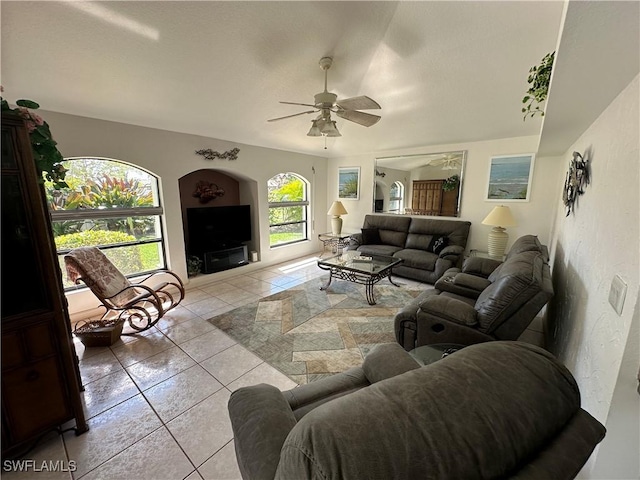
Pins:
x: 40, y: 376
x: 428, y: 198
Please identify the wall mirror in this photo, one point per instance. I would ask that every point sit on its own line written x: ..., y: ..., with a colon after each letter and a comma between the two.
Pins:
x: 420, y: 184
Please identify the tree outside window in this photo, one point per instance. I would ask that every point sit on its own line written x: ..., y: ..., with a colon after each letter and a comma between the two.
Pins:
x: 288, y: 209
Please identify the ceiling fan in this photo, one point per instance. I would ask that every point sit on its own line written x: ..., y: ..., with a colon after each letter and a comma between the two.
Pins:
x: 327, y: 102
x: 447, y: 161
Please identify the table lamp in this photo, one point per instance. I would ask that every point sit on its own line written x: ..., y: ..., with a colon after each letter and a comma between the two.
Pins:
x: 336, y: 210
x: 499, y: 217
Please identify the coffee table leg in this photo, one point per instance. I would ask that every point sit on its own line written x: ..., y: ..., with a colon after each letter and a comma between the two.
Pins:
x: 391, y: 281
x: 324, y: 287
x: 369, y: 293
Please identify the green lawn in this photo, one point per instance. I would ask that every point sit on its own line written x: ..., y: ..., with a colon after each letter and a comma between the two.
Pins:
x: 277, y: 238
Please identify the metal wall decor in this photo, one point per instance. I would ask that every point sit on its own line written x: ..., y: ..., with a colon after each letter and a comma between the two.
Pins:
x: 575, y: 182
x: 212, y: 154
x: 207, y: 191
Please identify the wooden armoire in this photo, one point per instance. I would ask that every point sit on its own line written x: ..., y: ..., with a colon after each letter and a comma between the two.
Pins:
x: 428, y: 198
x: 40, y: 376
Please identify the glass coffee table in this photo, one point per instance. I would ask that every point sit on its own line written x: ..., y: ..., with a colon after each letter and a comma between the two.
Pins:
x: 362, y: 270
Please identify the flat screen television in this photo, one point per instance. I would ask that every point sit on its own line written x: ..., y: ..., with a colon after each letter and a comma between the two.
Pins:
x: 216, y: 228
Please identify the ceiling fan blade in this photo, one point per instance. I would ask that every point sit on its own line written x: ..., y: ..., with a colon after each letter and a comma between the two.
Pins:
x: 289, y: 116
x: 358, y: 103
x: 365, y: 119
x: 294, y: 103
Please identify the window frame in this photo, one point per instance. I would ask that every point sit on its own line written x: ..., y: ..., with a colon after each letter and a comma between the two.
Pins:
x: 119, y: 212
x: 298, y: 203
x: 399, y: 199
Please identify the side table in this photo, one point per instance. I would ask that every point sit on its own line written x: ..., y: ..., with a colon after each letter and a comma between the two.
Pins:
x: 428, y: 354
x: 336, y: 242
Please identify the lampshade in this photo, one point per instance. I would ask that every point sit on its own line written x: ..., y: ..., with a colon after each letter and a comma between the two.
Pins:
x: 314, y: 131
x: 329, y: 129
x: 500, y: 216
x: 337, y: 209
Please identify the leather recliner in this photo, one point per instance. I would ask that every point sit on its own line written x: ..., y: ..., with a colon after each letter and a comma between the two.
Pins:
x: 485, y: 301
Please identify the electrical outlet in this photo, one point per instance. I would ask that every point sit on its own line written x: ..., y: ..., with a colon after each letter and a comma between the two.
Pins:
x: 617, y: 294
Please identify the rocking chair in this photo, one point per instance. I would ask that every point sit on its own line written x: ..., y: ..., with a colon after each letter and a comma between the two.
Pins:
x: 140, y: 305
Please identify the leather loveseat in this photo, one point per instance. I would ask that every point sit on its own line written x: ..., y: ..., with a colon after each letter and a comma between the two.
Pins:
x: 490, y: 411
x: 465, y: 307
x: 428, y: 247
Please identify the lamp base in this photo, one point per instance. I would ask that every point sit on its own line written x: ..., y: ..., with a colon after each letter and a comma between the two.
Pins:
x: 497, y: 242
x: 336, y: 225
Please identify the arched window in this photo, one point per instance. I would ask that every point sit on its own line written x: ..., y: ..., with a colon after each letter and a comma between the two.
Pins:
x: 288, y: 209
x: 113, y: 206
x: 396, y: 196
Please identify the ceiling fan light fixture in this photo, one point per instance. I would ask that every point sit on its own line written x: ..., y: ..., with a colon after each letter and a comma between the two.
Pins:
x: 330, y: 130
x: 314, y: 131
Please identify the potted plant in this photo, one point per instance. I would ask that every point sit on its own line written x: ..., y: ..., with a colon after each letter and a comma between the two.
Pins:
x: 451, y: 183
x: 539, y: 78
x: 45, y: 153
x: 194, y: 265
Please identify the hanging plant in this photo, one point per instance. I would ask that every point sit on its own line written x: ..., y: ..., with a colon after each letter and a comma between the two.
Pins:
x: 451, y: 183
x: 539, y: 78
x: 45, y: 153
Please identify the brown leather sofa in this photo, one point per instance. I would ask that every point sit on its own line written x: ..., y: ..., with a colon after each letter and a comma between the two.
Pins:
x: 495, y: 410
x: 428, y: 247
x: 486, y: 300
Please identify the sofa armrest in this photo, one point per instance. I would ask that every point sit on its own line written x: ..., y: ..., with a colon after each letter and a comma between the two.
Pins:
x: 450, y: 309
x: 386, y: 361
x: 473, y: 282
x: 482, y: 267
x: 566, y: 453
x: 452, y: 252
x: 261, y: 420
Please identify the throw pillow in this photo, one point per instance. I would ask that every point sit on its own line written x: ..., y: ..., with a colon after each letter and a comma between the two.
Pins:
x: 438, y: 244
x: 371, y: 236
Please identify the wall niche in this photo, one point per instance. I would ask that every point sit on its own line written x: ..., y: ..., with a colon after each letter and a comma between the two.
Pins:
x: 206, y: 189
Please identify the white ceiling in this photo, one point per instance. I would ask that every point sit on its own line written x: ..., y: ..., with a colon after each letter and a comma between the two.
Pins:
x: 443, y: 72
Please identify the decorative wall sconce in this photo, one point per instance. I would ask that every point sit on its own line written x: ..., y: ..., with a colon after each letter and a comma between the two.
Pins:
x: 575, y: 182
x: 212, y: 154
x: 206, y: 191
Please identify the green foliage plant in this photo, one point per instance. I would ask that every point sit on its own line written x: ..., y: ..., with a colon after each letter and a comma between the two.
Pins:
x: 538, y: 80
x: 451, y: 183
x: 46, y: 155
x: 126, y: 259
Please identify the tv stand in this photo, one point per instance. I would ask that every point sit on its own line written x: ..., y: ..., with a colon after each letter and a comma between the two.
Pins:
x: 225, y: 258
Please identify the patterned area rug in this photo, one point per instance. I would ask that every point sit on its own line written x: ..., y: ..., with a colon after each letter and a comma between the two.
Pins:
x: 307, y: 333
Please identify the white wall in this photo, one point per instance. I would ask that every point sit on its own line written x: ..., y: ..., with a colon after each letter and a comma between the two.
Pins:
x: 171, y: 155
x: 588, y: 248
x: 533, y: 217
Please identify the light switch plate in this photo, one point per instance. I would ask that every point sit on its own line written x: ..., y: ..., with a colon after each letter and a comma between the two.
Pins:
x: 617, y: 294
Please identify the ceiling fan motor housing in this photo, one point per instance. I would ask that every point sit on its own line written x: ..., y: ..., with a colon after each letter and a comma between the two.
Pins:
x: 325, y: 100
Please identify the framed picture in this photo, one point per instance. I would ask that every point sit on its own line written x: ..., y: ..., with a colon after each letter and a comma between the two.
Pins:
x: 349, y: 183
x: 510, y: 178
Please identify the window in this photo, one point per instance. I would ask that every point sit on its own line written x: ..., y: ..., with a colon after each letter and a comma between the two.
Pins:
x: 396, y: 196
x: 288, y: 209
x: 113, y: 206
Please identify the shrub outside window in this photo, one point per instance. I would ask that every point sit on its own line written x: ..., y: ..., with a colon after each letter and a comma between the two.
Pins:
x: 110, y: 205
x: 288, y: 209
x: 396, y: 195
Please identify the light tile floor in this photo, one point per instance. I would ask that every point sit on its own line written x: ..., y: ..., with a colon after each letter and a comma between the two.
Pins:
x: 156, y: 403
